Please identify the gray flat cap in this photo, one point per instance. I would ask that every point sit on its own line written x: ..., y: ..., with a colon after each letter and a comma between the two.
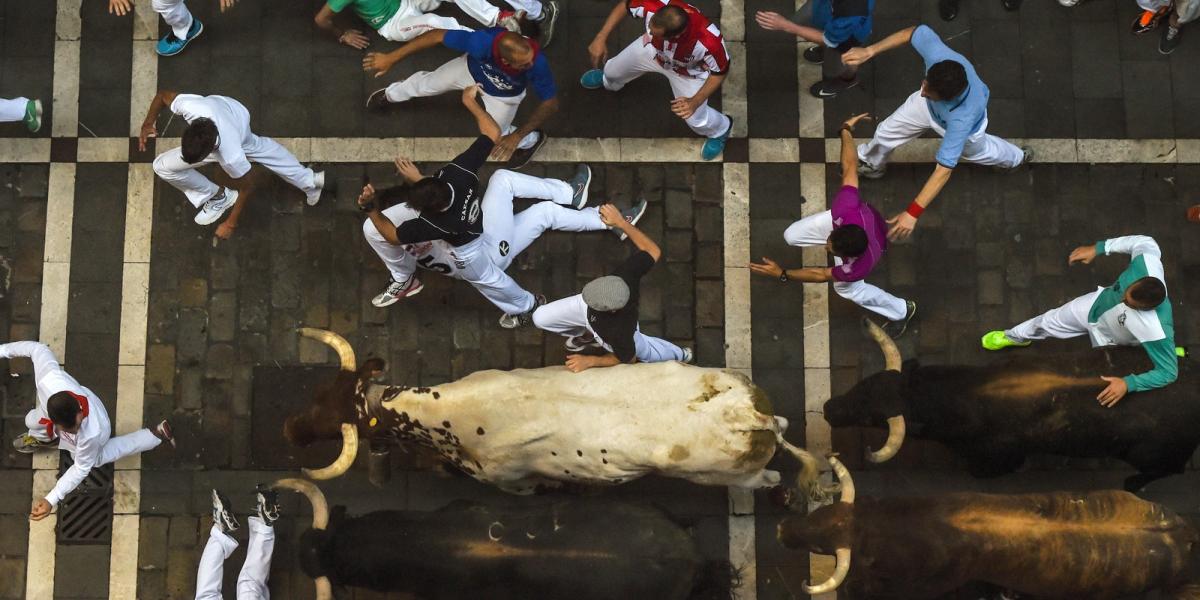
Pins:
x: 606, y: 294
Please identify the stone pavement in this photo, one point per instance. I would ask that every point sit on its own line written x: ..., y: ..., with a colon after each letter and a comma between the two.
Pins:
x: 218, y: 329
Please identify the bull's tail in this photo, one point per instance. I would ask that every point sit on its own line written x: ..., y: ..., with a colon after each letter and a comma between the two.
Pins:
x: 715, y: 580
x: 808, y: 480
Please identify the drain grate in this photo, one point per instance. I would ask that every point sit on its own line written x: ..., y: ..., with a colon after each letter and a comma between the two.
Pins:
x: 85, y: 515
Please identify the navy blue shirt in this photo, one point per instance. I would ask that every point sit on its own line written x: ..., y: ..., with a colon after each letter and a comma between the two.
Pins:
x: 484, y: 64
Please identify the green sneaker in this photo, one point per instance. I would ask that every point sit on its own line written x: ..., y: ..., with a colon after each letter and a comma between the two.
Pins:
x: 33, y: 115
x: 1181, y: 352
x: 996, y: 340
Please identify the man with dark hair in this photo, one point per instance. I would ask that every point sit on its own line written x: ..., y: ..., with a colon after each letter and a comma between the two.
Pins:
x: 854, y: 233
x: 948, y: 9
x: 71, y: 417
x: 403, y: 20
x: 219, y: 131
x: 504, y: 64
x: 1133, y: 311
x: 835, y: 26
x: 450, y: 210
x: 682, y: 45
x: 952, y: 102
x: 604, y: 317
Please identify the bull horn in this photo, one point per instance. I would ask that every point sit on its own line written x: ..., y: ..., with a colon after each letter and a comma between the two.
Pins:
x: 338, y: 343
x: 320, y: 520
x: 891, y: 354
x: 839, y: 574
x: 343, y: 461
x: 894, y: 440
x: 843, y: 477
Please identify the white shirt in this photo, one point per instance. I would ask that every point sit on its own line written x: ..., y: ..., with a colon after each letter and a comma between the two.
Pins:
x: 233, y: 126
x: 95, y: 430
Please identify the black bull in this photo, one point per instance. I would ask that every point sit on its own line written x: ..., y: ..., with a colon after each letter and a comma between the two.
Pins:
x: 575, y: 550
x: 1057, y: 546
x: 1023, y: 404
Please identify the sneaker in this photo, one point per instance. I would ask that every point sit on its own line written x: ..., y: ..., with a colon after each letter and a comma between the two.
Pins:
x: 996, y: 340
x: 579, y: 186
x: 222, y: 513
x: 815, y: 54
x: 1026, y: 158
x: 688, y: 356
x: 1181, y: 352
x: 1193, y: 213
x: 508, y: 321
x: 164, y: 432
x: 579, y: 343
x: 592, y: 79
x: 27, y: 444
x: 895, y: 329
x: 33, y: 116
x: 397, y: 291
x: 865, y: 170
x: 266, y: 504
x: 170, y: 45
x: 549, y: 18
x: 632, y: 215
x: 216, y: 206
x: 378, y: 99
x: 714, y: 146
x: 947, y: 9
x: 510, y: 20
x: 1171, y: 36
x: 522, y: 156
x: 313, y: 197
x: 830, y: 88
x: 1148, y: 20
x: 1068, y: 3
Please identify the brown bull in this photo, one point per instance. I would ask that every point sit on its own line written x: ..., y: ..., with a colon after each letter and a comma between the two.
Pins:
x: 1099, y: 545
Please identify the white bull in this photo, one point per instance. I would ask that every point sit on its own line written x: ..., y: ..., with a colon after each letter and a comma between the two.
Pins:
x: 544, y: 427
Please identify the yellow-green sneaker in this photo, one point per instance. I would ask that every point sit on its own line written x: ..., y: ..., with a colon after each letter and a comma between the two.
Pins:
x: 996, y: 340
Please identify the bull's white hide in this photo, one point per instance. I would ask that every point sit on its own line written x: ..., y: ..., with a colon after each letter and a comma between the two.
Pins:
x: 519, y: 428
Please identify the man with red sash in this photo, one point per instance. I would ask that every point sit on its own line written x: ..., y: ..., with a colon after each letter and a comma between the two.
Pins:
x: 73, y: 418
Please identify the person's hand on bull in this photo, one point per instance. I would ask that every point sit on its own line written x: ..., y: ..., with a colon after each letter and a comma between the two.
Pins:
x: 1117, y: 388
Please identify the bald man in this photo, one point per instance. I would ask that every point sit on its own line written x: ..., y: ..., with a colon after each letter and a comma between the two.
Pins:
x: 503, y: 63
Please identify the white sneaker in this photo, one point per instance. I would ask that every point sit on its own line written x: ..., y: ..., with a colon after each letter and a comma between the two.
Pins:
x: 1068, y: 2
x: 216, y: 206
x: 688, y: 356
x: 315, y: 196
x: 396, y: 291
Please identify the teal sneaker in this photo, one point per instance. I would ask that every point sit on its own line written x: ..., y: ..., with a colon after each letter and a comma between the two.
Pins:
x: 593, y: 79
x: 996, y: 340
x: 714, y: 146
x: 33, y: 115
x: 170, y: 45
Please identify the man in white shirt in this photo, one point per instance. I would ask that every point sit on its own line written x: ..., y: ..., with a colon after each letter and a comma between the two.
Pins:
x: 75, y: 418
x: 219, y: 131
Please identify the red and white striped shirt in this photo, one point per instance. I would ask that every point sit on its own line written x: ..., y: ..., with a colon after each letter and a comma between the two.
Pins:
x: 697, y: 51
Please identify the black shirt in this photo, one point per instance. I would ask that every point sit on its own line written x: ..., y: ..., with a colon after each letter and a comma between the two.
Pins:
x: 616, y: 328
x: 462, y: 222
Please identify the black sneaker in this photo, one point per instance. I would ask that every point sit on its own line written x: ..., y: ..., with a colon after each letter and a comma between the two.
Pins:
x: 222, y: 513
x: 948, y: 9
x: 378, y: 99
x: 815, y: 54
x: 579, y: 186
x: 508, y: 321
x: 1147, y: 20
x: 895, y: 329
x: 549, y: 18
x: 520, y: 157
x: 578, y: 343
x: 267, y: 504
x: 1171, y: 36
x: 632, y: 215
x: 830, y: 88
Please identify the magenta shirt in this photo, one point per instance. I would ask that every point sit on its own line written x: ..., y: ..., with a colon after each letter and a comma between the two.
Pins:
x: 849, y: 209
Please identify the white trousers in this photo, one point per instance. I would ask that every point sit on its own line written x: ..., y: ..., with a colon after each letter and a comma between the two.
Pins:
x: 455, y: 76
x: 913, y: 119
x: 13, y: 110
x: 252, y: 581
x: 176, y: 14
x: 568, y: 317
x: 519, y: 231
x: 415, y: 18
x: 814, y: 230
x: 263, y: 150
x: 1067, y: 321
x: 114, y: 448
x: 638, y: 59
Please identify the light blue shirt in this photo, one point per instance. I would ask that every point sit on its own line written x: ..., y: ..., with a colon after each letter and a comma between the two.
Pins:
x: 960, y: 116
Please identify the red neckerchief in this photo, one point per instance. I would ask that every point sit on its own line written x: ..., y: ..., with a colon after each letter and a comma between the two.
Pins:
x: 83, y: 406
x: 499, y: 62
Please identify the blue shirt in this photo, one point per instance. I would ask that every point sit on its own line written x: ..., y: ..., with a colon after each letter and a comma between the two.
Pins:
x: 484, y: 67
x: 843, y: 23
x: 960, y: 116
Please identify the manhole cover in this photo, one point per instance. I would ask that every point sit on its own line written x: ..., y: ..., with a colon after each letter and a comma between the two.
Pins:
x: 85, y: 515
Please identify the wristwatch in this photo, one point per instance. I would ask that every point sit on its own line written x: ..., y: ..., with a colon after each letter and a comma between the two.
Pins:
x: 783, y: 275
x: 368, y: 207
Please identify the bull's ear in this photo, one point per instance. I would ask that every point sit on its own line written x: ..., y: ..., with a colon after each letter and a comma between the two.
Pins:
x: 370, y: 367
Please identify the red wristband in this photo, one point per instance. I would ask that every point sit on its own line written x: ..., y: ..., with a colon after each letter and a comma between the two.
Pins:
x: 915, y: 210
